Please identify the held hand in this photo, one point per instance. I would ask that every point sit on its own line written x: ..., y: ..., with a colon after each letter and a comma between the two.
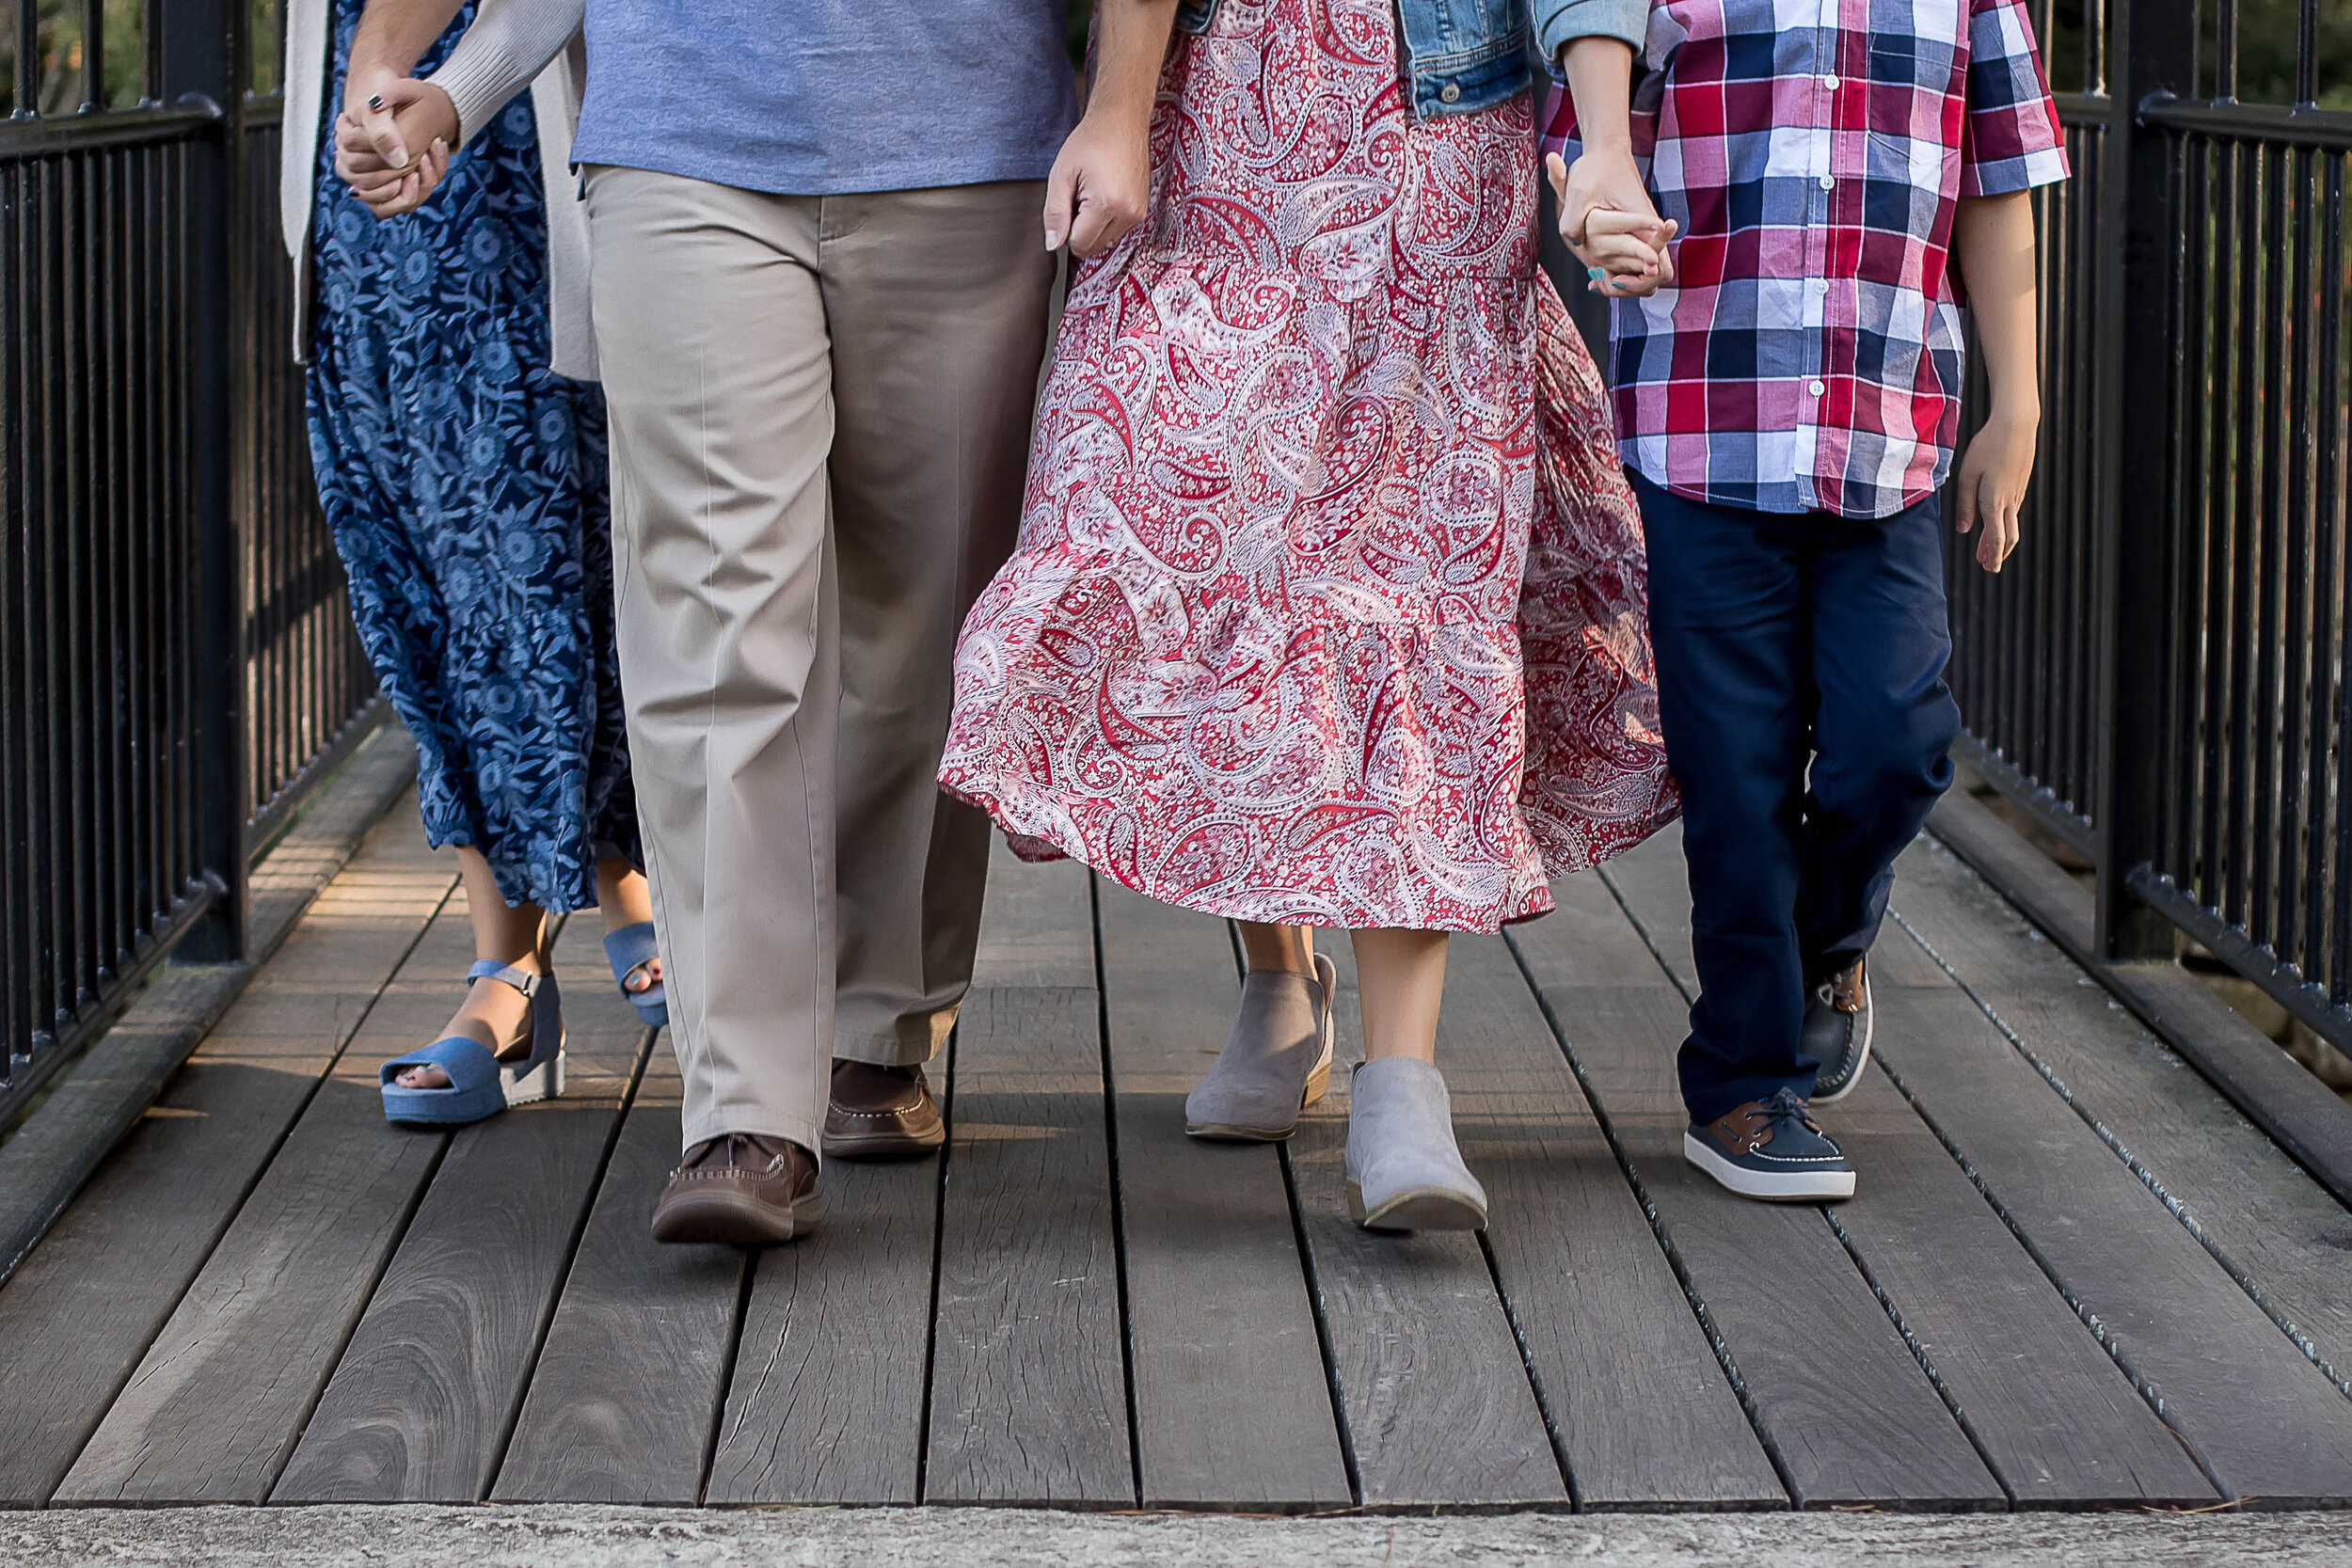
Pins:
x: 1990, y: 487
x: 1100, y: 189
x: 1608, y: 220
x: 375, y: 138
x: 1628, y: 251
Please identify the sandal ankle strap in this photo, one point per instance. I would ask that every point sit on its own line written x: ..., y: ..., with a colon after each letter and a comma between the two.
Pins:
x: 522, y: 980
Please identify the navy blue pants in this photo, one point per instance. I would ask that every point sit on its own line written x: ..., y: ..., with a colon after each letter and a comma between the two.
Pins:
x: 1800, y: 686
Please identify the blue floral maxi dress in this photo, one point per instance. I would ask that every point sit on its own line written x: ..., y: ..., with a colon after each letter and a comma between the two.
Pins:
x: 464, y: 484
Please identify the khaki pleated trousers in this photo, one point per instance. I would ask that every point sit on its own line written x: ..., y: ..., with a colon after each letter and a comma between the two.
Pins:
x: 820, y: 411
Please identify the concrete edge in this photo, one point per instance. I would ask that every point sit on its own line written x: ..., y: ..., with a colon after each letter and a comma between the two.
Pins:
x: 2302, y: 1115
x: 592, y: 1536
x: 93, y: 1102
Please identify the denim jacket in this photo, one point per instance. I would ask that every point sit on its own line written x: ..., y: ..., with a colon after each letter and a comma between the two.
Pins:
x: 1466, y: 55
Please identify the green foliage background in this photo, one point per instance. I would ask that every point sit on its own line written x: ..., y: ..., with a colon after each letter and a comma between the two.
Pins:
x: 54, y: 82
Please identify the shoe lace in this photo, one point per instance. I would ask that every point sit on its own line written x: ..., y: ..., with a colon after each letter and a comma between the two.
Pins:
x: 722, y: 1152
x: 1785, y: 1107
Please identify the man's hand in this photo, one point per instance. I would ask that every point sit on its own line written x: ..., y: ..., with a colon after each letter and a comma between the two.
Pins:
x: 1993, y: 472
x: 1607, y: 219
x: 393, y: 147
x: 1101, y: 186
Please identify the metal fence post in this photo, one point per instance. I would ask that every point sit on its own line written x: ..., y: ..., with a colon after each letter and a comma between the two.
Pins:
x: 200, y: 52
x: 2154, y: 46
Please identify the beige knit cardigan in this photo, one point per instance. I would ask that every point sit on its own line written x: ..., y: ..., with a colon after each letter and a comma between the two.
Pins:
x: 480, y: 75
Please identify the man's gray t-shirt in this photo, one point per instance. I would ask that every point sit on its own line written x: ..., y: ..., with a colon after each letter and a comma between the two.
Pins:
x: 827, y: 97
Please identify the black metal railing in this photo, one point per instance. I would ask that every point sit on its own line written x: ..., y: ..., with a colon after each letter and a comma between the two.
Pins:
x: 2025, y: 664
x: 175, y: 657
x: 2161, y: 676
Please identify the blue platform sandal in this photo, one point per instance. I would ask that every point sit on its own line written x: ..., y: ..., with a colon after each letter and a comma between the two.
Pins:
x: 629, y: 950
x: 480, y: 1082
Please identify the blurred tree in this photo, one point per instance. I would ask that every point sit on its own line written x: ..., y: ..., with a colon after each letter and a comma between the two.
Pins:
x: 53, y: 82
x: 2267, y: 31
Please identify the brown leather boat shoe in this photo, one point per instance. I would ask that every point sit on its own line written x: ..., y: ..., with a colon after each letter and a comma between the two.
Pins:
x: 881, y: 1113
x: 740, y: 1190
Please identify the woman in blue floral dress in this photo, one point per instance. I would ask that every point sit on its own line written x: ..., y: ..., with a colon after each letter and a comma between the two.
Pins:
x: 463, y: 481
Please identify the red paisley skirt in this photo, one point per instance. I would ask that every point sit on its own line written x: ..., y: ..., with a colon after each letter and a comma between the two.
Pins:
x: 1327, y: 606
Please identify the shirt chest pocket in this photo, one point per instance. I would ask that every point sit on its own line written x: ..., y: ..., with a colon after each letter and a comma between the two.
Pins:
x: 1913, y: 55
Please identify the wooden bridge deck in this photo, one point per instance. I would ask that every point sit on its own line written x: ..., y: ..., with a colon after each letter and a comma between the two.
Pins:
x: 2073, y: 1277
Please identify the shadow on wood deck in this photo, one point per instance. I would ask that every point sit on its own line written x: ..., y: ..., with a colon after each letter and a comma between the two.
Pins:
x: 2074, y: 1276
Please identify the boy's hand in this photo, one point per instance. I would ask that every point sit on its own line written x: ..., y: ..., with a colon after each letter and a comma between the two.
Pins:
x: 1101, y: 186
x: 375, y: 137
x: 1993, y: 472
x: 1608, y: 220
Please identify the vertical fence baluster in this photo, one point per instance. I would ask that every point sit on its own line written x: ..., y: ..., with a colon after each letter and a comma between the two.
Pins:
x: 203, y: 57
x: 2335, y: 486
x: 2299, y: 565
x: 2154, y: 45
x: 2264, y: 437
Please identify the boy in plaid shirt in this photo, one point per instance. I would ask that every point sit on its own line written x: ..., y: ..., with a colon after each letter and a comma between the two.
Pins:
x: 1786, y: 209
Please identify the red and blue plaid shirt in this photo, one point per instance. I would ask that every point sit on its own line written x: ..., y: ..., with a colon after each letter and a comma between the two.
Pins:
x: 1808, y: 355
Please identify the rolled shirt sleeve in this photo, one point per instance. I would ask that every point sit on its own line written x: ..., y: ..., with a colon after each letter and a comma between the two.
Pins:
x: 2011, y: 140
x: 1561, y: 23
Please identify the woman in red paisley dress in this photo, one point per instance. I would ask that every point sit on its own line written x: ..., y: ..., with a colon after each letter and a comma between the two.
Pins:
x: 1327, y: 609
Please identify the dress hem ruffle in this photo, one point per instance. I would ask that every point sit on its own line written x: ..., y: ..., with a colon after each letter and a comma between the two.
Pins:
x: 1032, y: 833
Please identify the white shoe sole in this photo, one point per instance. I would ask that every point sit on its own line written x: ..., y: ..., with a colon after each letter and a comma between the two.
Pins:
x: 1869, y: 1027
x: 1418, y: 1209
x: 1810, y: 1186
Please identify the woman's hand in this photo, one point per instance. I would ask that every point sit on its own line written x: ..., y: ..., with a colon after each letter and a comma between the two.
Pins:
x: 375, y: 136
x: 1607, y: 220
x: 1101, y: 186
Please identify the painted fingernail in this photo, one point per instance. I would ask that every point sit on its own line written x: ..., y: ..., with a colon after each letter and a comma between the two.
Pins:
x: 376, y: 102
x: 1594, y: 274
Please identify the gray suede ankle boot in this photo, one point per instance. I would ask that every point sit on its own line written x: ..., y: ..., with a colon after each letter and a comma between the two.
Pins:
x: 1275, y: 1063
x: 1404, y: 1172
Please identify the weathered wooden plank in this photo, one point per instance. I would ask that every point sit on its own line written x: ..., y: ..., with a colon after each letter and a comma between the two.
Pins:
x: 2053, y: 1416
x: 2058, y: 1421
x: 627, y: 1387
x: 826, y: 1402
x: 2261, y: 1416
x: 215, y: 1408
x: 82, y: 1309
x: 1434, y: 1395
x: 1842, y: 1404
x: 1039, y: 927
x: 2280, y: 1231
x: 1233, y: 1404
x: 2310, y: 1121
x: 419, y: 1405
x: 1028, y: 1398
x: 1637, y: 1399
x: 94, y: 1101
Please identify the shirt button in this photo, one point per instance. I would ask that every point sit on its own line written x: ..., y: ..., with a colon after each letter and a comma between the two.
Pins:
x: 1817, y: 389
x: 1450, y: 93
x: 1820, y: 285
x: 1830, y: 82
x: 1828, y: 183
